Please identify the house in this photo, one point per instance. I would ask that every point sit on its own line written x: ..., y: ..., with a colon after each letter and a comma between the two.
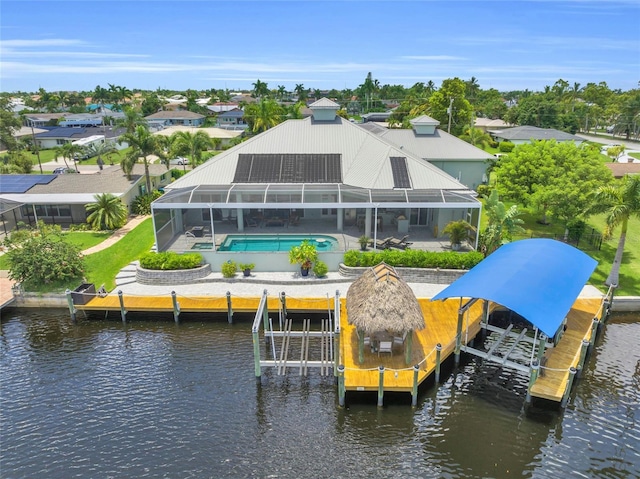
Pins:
x: 525, y: 134
x: 621, y: 169
x: 463, y: 161
x: 324, y: 170
x: 61, y: 199
x: 60, y: 135
x: 486, y: 124
x: 232, y: 119
x: 43, y: 119
x: 221, y: 107
x: 376, y: 116
x: 180, y: 117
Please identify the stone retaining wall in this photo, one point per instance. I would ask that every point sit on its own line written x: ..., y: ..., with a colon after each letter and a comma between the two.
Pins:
x: 177, y: 276
x: 413, y: 275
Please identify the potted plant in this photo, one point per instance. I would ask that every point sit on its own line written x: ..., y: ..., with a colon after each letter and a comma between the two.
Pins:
x: 364, y: 242
x: 246, y: 268
x: 305, y: 254
x: 457, y: 231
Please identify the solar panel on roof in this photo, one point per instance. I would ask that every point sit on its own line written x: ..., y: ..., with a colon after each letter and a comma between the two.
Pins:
x: 288, y: 168
x: 22, y: 183
x: 400, y: 172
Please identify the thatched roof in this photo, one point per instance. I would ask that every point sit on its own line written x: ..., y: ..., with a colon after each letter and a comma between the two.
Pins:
x: 381, y: 301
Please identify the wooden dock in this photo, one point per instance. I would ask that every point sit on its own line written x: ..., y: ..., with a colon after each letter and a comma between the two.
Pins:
x: 552, y: 383
x: 7, y: 295
x: 441, y: 319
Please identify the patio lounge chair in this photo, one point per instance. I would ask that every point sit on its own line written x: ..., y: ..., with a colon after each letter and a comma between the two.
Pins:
x: 250, y: 222
x: 382, y: 244
x: 399, y: 243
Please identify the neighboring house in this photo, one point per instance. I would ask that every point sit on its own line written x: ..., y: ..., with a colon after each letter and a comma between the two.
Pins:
x: 326, y: 170
x: 524, y: 134
x: 621, y: 169
x: 465, y: 162
x: 486, y: 124
x: 376, y: 116
x: 232, y: 119
x: 225, y: 136
x: 60, y: 135
x: 221, y: 107
x: 182, y: 117
x: 42, y: 119
x: 61, y: 199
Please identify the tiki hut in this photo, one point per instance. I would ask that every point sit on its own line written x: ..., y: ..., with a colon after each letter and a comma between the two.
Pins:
x: 380, y: 304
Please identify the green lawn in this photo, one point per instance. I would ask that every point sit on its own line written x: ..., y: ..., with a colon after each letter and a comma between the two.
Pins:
x: 635, y: 155
x: 86, y: 239
x: 103, y: 266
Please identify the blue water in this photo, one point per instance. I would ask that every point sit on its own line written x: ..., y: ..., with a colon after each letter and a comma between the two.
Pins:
x: 276, y: 242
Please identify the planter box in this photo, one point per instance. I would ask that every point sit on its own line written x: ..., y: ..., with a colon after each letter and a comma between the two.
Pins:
x: 83, y: 293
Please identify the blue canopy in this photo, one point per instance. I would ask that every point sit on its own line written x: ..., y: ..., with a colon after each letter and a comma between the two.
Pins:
x: 539, y: 279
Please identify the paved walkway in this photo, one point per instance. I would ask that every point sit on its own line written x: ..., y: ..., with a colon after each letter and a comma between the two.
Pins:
x: 117, y: 235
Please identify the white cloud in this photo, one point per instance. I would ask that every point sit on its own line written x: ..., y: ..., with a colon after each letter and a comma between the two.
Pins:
x: 431, y: 57
x: 51, y: 42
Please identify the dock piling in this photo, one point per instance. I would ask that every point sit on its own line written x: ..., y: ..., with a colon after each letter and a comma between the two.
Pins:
x: 535, y: 367
x: 414, y: 390
x: 123, y: 312
x: 380, y: 385
x: 72, y: 308
x: 336, y: 351
x: 229, y: 308
x: 341, y: 389
x: 567, y: 393
x: 438, y: 359
x: 176, y: 307
x: 594, y: 332
x: 458, y: 338
x: 583, y: 355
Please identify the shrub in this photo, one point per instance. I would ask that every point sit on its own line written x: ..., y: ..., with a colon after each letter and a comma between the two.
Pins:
x: 43, y: 259
x: 170, y: 260
x: 483, y: 190
x: 320, y: 269
x: 414, y: 259
x: 506, y: 147
x: 229, y: 269
x: 80, y: 227
x: 142, y: 204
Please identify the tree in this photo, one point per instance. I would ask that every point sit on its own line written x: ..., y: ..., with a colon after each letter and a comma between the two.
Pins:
x: 101, y: 96
x: 263, y: 115
x: 440, y: 102
x: 43, y: 256
x: 9, y: 125
x: 107, y: 213
x: 192, y: 144
x: 619, y: 202
x: 260, y: 89
x: 614, y: 152
x: 556, y: 178
x: 132, y: 118
x: 368, y: 87
x: 100, y: 150
x: 628, y: 122
x: 142, y: 144
x: 502, y: 225
x: 476, y: 137
x: 301, y: 92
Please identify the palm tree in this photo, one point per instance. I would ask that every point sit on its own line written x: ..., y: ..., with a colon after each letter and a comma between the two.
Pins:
x: 132, y: 118
x: 619, y: 202
x: 100, y: 149
x: 108, y: 212
x: 260, y: 89
x: 70, y: 151
x: 281, y: 91
x: 476, y: 137
x: 265, y: 115
x: 192, y: 144
x: 142, y: 144
x: 502, y: 225
x: 100, y: 95
x: 300, y: 91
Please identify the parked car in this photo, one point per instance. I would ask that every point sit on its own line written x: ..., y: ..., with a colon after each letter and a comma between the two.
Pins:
x: 61, y: 170
x: 179, y: 161
x: 610, y: 128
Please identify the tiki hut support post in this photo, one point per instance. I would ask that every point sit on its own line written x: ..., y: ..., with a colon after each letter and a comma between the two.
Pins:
x: 535, y: 366
x: 380, y: 385
x: 360, y: 346
x: 414, y: 390
x: 438, y: 355
x: 72, y: 308
x: 408, y: 348
x: 176, y: 307
x: 341, y: 389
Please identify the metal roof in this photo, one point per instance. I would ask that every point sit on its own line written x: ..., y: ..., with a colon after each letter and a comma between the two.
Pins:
x: 364, y: 157
x: 539, y: 279
x: 534, y: 133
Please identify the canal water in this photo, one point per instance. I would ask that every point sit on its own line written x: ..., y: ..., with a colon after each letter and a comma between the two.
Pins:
x: 152, y: 399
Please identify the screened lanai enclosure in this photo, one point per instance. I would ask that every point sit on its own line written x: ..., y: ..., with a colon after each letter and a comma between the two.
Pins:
x: 203, y: 218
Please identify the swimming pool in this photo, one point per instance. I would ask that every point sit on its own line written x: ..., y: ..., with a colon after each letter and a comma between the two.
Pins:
x: 276, y: 242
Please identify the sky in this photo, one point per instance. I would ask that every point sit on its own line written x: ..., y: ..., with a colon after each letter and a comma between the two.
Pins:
x: 181, y: 44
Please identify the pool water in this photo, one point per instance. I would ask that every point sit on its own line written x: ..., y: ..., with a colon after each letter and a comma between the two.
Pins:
x: 202, y: 246
x: 276, y: 242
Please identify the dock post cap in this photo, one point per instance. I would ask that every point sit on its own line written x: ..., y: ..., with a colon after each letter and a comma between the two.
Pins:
x: 381, y: 368
x: 438, y: 347
x: 341, y: 368
x: 416, y: 367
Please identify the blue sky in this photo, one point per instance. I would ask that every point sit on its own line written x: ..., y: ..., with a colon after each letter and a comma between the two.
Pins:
x: 507, y: 45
